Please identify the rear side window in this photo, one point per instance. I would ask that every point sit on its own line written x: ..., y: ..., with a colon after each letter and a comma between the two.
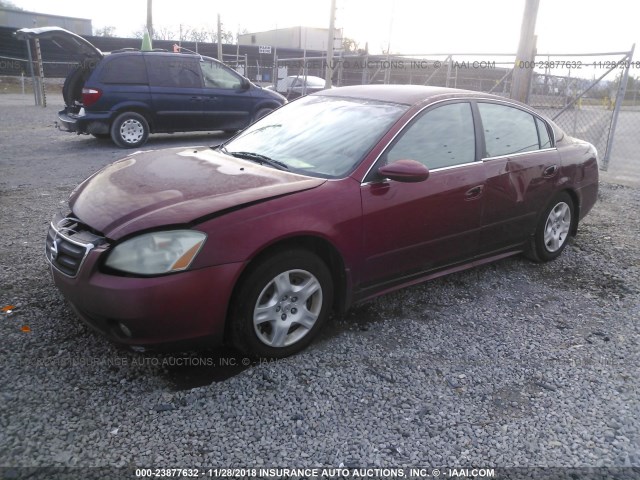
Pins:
x: 174, y: 71
x: 543, y: 133
x: 508, y: 130
x: 128, y: 69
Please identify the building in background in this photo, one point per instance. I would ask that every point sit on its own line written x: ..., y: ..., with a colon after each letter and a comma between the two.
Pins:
x: 303, y: 38
x: 14, y: 18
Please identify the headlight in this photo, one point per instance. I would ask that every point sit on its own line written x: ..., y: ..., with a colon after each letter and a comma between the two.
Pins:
x: 157, y: 252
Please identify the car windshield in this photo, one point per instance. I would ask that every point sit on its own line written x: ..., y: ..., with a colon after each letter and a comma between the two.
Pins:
x: 319, y: 135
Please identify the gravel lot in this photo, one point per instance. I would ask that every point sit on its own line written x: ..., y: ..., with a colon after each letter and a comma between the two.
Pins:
x: 511, y: 364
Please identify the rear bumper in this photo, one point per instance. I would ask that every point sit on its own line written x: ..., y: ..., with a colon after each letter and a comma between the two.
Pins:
x: 65, y: 122
x: 94, y: 123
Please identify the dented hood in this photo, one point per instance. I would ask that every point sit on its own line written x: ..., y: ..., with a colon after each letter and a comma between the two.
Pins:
x: 175, y: 187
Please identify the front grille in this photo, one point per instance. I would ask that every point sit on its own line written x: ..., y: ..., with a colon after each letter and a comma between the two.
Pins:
x: 68, y: 243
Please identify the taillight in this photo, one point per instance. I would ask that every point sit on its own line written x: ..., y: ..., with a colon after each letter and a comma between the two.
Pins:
x: 90, y: 96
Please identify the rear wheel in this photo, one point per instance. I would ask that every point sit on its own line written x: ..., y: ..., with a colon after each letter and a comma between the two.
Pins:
x: 282, y: 304
x: 553, y: 230
x: 129, y: 130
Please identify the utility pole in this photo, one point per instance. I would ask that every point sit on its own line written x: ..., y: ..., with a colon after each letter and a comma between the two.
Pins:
x: 150, y: 18
x: 523, y: 70
x: 219, y: 39
x: 332, y: 26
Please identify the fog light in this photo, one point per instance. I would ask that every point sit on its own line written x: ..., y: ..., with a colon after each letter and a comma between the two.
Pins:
x: 124, y: 329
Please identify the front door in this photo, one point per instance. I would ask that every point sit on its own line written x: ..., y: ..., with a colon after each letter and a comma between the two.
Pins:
x: 411, y: 228
x: 228, y: 103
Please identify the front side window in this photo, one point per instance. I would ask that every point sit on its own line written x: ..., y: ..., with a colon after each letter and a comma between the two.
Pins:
x: 217, y: 75
x: 441, y: 137
x: 508, y: 130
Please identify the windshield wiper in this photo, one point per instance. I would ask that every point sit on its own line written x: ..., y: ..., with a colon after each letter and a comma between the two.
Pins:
x: 256, y: 157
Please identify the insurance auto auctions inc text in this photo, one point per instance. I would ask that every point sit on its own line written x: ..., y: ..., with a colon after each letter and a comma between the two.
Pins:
x: 341, y: 473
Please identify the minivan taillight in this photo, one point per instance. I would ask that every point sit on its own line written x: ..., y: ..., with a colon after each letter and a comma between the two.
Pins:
x: 90, y: 96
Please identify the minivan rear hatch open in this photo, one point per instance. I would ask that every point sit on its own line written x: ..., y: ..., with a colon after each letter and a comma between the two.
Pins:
x: 87, y: 55
x: 64, y: 39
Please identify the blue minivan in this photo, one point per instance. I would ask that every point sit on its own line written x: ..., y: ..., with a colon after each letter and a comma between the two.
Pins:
x: 128, y: 94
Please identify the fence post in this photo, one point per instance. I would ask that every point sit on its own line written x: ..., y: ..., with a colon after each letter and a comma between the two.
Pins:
x: 622, y: 90
x: 43, y: 91
x: 36, y: 92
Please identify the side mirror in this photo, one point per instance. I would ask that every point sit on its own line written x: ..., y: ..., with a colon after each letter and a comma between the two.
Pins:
x: 245, y: 84
x: 408, y: 171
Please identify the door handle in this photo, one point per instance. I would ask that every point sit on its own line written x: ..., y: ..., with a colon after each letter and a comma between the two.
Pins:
x: 195, y: 99
x: 474, y: 192
x: 550, y: 171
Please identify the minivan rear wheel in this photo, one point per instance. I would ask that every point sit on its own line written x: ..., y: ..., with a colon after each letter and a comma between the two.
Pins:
x: 130, y: 130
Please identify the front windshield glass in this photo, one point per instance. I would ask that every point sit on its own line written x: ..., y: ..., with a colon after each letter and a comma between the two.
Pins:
x: 319, y: 135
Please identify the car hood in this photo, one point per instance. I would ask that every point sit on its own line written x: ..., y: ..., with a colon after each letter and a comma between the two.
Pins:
x: 64, y: 39
x: 176, y: 186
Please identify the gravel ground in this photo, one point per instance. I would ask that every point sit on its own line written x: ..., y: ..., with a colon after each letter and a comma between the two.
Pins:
x: 511, y: 364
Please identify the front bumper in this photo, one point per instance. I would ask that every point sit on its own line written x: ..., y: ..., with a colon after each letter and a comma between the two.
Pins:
x: 176, y: 309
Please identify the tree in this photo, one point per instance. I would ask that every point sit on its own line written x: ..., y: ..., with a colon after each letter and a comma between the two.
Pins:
x: 107, y: 31
x: 198, y: 36
x: 9, y: 4
x: 164, y: 33
x: 349, y: 45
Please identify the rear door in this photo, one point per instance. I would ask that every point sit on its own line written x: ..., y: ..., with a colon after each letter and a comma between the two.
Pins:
x: 411, y: 228
x: 176, y: 92
x: 521, y: 166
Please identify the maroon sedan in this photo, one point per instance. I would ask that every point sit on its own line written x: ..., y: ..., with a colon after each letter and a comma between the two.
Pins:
x: 333, y: 199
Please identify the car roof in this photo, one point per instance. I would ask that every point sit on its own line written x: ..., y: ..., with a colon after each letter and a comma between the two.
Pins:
x: 403, y: 94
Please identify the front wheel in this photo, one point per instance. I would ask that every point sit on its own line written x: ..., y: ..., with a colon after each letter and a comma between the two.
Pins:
x: 553, y: 230
x: 282, y: 304
x: 262, y: 113
x: 130, y: 130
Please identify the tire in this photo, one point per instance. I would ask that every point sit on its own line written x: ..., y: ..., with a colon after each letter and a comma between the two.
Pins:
x: 129, y: 130
x: 281, y: 305
x: 262, y: 113
x: 553, y: 229
x: 72, y: 87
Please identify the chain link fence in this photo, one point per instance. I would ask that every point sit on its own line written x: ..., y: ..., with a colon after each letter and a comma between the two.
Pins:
x: 585, y: 94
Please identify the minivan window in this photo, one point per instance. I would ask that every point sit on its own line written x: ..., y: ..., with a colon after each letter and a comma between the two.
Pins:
x: 218, y: 76
x: 126, y: 69
x: 507, y: 130
x: 173, y: 71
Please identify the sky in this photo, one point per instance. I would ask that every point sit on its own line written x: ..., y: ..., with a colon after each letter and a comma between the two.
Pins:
x: 408, y: 26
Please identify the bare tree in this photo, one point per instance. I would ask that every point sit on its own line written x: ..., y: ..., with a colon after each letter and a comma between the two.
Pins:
x: 199, y: 36
x: 349, y: 45
x: 9, y: 4
x: 107, y: 31
x: 164, y: 33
